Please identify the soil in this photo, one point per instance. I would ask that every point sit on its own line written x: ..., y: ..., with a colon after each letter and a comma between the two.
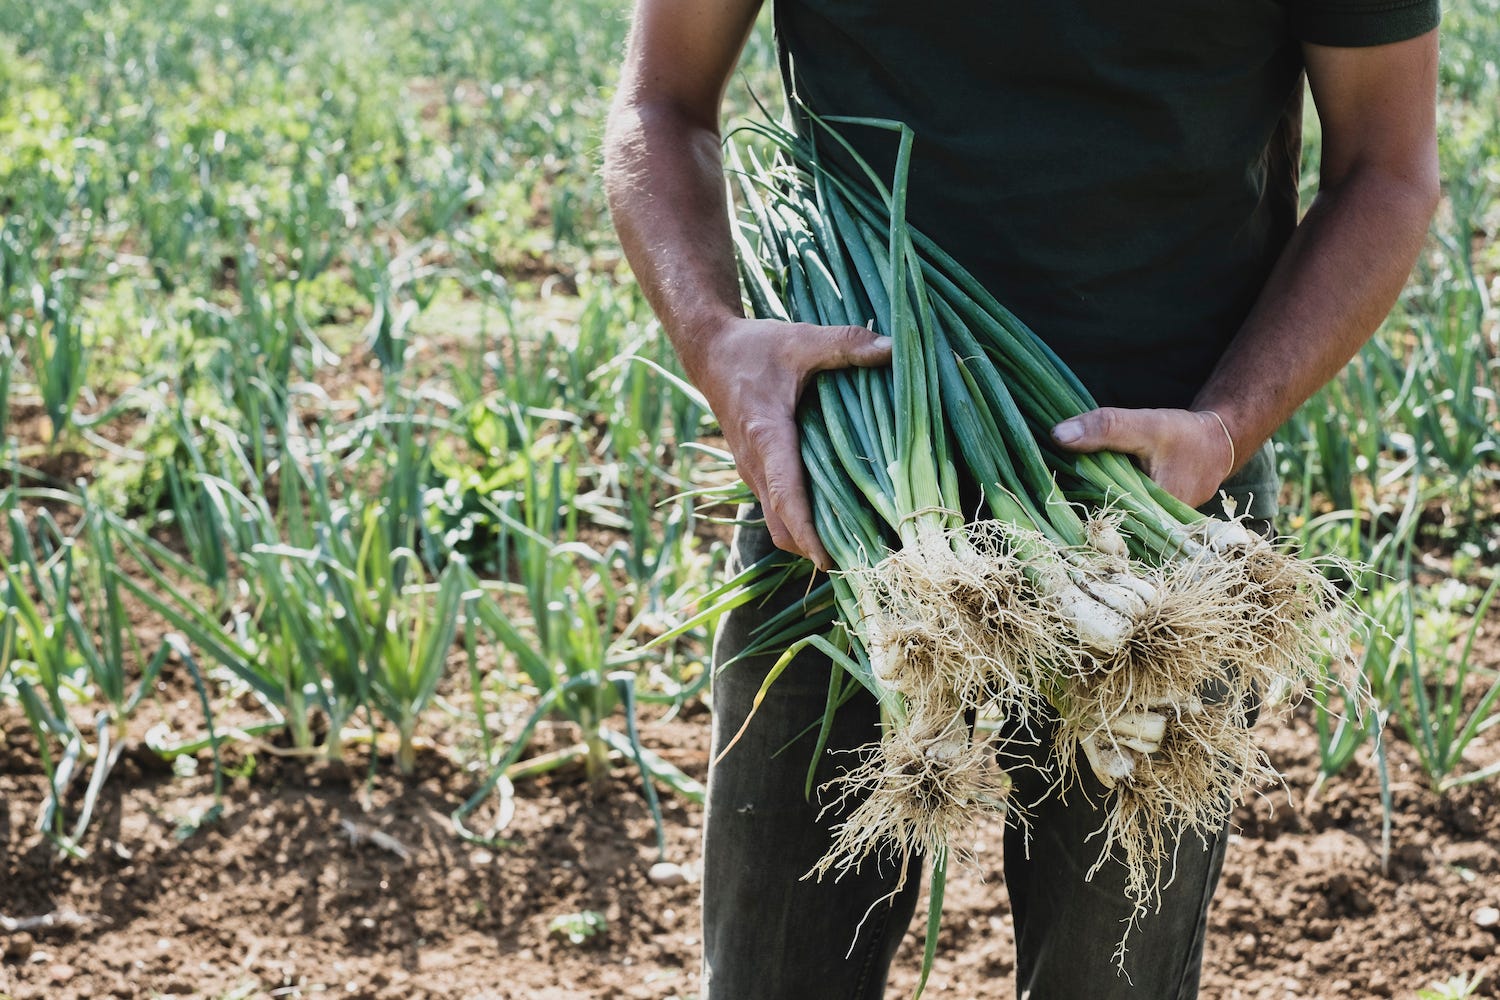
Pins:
x: 319, y: 879
x: 295, y: 891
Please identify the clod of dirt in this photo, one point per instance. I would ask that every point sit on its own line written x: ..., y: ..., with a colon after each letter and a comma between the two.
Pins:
x: 18, y: 948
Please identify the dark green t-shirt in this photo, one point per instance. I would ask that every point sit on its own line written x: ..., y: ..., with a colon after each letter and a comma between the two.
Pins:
x: 1121, y: 175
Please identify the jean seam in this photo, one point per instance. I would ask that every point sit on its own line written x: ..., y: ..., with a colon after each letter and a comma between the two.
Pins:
x: 872, y: 953
x: 1200, y: 932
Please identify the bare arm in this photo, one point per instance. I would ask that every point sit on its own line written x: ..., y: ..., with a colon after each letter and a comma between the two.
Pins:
x: 664, y: 179
x: 1333, y: 284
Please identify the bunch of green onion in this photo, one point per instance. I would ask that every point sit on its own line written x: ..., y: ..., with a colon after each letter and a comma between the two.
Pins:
x: 1086, y: 593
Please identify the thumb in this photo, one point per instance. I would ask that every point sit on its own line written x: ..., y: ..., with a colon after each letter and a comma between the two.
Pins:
x: 1108, y: 428
x: 842, y: 346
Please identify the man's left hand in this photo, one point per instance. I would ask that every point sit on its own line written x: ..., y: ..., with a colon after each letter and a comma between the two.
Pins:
x: 1187, y: 452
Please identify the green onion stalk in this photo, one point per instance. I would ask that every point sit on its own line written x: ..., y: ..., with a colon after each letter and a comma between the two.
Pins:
x: 948, y: 619
x: 1272, y: 617
x: 1107, y: 685
x: 1148, y: 627
x: 1291, y: 609
x: 884, y: 491
x: 1042, y: 538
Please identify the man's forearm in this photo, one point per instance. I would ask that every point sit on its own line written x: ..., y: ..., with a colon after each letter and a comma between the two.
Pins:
x: 1331, y: 288
x: 1344, y: 266
x: 1332, y: 285
x: 664, y: 180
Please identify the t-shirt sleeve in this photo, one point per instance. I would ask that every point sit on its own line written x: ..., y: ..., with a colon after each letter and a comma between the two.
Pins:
x: 1358, y: 23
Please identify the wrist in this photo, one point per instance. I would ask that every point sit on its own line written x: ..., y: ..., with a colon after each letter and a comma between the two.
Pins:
x: 697, y: 340
x: 1220, y: 428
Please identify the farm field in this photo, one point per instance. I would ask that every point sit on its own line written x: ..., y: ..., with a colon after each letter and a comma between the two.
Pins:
x: 346, y: 479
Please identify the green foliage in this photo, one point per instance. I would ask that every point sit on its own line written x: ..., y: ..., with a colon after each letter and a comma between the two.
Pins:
x: 35, y: 121
x: 577, y: 928
x: 1455, y: 988
x: 231, y: 241
x: 492, y: 472
x: 66, y: 648
x: 1437, y: 708
x: 351, y: 339
x: 1401, y: 449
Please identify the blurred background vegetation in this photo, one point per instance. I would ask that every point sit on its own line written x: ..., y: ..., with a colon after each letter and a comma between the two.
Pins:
x: 327, y: 402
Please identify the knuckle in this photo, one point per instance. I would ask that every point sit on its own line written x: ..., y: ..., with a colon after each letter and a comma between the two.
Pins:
x: 779, y: 482
x: 759, y: 432
x: 773, y: 439
x: 778, y: 534
x: 831, y: 345
x: 780, y: 537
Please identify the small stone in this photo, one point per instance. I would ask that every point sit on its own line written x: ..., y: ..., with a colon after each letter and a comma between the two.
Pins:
x: 61, y: 973
x: 481, y: 858
x: 1487, y: 917
x: 668, y: 874
x: 19, y: 948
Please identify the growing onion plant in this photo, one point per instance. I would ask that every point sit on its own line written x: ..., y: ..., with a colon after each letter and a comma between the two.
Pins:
x: 68, y: 653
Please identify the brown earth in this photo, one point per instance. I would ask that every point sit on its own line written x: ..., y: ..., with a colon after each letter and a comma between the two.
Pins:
x: 278, y: 899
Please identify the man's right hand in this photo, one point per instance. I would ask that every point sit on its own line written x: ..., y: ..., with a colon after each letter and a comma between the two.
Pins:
x: 753, y: 375
x: 665, y: 179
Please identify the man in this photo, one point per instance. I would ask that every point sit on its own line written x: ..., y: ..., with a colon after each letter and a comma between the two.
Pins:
x: 1124, y: 178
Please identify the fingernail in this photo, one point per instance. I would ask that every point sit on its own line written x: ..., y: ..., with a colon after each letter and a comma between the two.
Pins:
x: 883, y: 342
x: 1067, y: 432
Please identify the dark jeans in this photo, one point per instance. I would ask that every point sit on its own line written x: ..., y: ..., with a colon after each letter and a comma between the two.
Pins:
x: 769, y: 934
